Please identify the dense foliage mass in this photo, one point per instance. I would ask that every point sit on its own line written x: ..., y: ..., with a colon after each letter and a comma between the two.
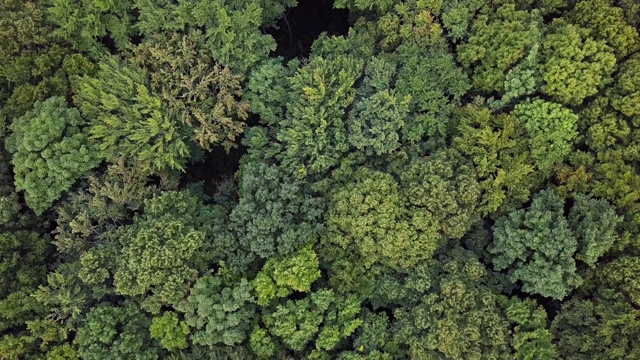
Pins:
x: 451, y: 180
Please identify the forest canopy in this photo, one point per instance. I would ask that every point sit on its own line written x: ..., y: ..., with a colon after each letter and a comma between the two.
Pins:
x: 317, y: 179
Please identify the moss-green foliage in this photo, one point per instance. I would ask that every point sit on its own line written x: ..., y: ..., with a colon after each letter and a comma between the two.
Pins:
x: 23, y: 268
x: 279, y: 279
x: 51, y: 150
x: 498, y: 41
x: 233, y: 36
x: 541, y: 240
x: 498, y: 148
x: 606, y: 22
x: 204, y: 96
x: 319, y: 321
x: 171, y: 331
x: 218, y: 313
x: 576, y: 66
x: 162, y: 254
x: 128, y: 120
x: 604, y: 324
x: 400, y: 224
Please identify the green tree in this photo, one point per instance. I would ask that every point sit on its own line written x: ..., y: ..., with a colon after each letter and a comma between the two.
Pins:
x: 171, y: 331
x: 594, y: 222
x: 551, y: 129
x: 435, y: 84
x: 23, y: 268
x: 119, y: 332
x: 539, y: 246
x: 448, y: 311
x: 89, y: 214
x: 377, y: 117
x: 164, y: 251
x: 82, y: 23
x: 603, y: 323
x: 233, y: 36
x: 498, y: 147
x: 219, y: 313
x: 204, y: 96
x: 280, y: 277
x: 128, y: 120
x: 401, y: 224
x: 499, y: 40
x: 322, y: 317
x: 50, y: 152
x: 606, y: 23
x: 576, y: 66
x: 276, y: 214
x: 313, y: 134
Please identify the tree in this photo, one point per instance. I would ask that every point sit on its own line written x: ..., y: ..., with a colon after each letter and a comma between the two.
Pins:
x: 551, y: 129
x: 89, y: 214
x: 595, y: 223
x: 233, y: 36
x: 576, y: 66
x: 603, y: 323
x: 171, y: 331
x: 377, y: 117
x: 164, y: 251
x: 217, y: 312
x: 498, y: 41
x: 279, y: 278
x: 23, y: 268
x: 50, y: 152
x: 116, y: 331
x: 313, y: 135
x: 204, y: 96
x: 400, y: 224
x: 276, y: 214
x: 128, y: 119
x: 497, y: 145
x: 83, y: 23
x: 322, y: 317
x: 537, y: 247
x: 448, y: 311
x: 435, y: 85
x: 606, y: 23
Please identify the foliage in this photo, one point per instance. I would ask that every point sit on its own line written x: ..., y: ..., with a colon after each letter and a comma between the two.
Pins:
x: 275, y: 214
x: 22, y: 266
x: 202, y: 96
x: 551, y: 129
x: 497, y: 146
x: 170, y: 330
x: 401, y: 224
x: 323, y: 318
x: 82, y: 23
x: 164, y: 251
x: 218, y: 313
x: 116, y: 331
x: 497, y: 43
x: 541, y: 241
x: 576, y: 66
x: 50, y: 152
x: 279, y: 279
x: 128, y: 119
x: 233, y: 36
x: 606, y: 22
x: 313, y: 134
